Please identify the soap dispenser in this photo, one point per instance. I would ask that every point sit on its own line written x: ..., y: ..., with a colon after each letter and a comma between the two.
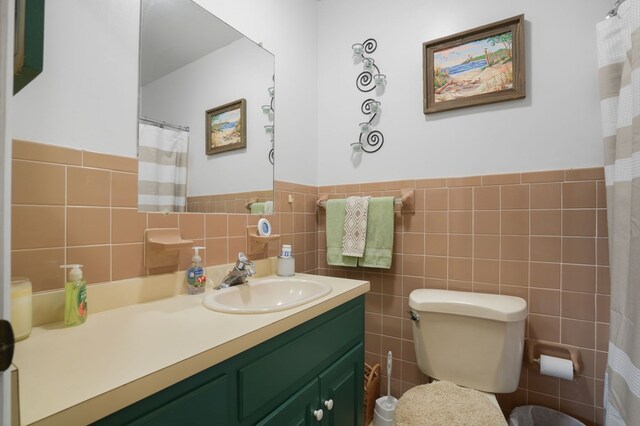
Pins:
x: 196, y: 279
x: 75, y: 299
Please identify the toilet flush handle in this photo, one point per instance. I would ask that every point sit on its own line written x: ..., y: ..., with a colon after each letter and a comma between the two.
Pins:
x: 413, y: 315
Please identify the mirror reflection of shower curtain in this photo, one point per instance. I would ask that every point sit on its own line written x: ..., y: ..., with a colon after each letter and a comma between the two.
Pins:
x: 162, y: 168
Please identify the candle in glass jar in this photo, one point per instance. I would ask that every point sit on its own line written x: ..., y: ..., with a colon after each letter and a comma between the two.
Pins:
x: 21, y: 307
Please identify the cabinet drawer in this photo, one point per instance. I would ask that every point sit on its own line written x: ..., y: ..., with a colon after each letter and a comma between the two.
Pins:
x: 186, y: 410
x: 201, y: 401
x: 280, y: 371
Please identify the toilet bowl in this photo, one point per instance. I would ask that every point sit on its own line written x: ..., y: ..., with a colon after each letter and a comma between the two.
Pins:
x: 473, y: 342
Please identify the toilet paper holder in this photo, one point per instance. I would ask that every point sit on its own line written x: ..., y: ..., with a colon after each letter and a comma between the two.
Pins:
x: 535, y: 348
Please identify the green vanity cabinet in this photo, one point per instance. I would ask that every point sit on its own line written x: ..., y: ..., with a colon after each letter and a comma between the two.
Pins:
x: 337, y: 393
x: 279, y: 382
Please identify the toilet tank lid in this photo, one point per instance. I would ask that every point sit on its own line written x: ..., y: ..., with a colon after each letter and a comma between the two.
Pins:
x: 479, y: 305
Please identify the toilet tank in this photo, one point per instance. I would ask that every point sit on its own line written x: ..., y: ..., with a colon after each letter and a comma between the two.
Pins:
x: 472, y: 339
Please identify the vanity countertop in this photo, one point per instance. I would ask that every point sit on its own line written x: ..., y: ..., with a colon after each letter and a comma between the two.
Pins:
x: 81, y: 374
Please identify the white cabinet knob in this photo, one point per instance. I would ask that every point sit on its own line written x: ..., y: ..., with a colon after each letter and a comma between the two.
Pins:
x: 329, y: 404
x: 318, y: 414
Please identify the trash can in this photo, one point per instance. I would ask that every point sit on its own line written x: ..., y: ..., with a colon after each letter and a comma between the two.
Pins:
x: 536, y: 415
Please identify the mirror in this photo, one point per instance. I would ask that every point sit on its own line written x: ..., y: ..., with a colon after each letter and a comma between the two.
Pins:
x: 205, y: 140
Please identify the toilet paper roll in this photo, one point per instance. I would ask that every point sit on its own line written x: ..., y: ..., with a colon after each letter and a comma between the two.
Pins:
x: 556, y: 367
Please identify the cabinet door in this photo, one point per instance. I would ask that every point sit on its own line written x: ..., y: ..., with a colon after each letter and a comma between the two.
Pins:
x: 342, y: 390
x: 297, y: 410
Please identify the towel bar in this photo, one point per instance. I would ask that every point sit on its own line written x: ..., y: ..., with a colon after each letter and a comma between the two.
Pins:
x: 406, y: 200
x: 251, y: 201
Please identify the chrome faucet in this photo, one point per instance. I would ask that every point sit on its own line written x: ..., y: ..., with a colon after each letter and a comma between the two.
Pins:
x: 238, y: 275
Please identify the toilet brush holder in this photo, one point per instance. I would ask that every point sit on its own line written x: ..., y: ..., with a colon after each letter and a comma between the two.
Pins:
x: 385, y: 412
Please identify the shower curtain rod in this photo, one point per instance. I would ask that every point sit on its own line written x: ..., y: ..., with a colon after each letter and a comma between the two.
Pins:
x: 163, y: 124
x: 614, y: 12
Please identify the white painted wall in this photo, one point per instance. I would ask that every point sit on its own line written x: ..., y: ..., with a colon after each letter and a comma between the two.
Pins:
x: 557, y: 125
x: 317, y: 109
x: 87, y: 95
x: 239, y: 70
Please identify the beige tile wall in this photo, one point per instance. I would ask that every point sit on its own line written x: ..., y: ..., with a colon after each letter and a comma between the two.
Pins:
x: 74, y: 206
x: 226, y: 203
x: 541, y: 236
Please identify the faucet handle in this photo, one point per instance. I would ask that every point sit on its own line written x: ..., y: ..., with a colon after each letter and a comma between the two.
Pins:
x: 244, y: 264
x: 250, y: 269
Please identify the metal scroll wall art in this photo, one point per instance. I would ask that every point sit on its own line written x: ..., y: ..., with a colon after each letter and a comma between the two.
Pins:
x: 269, y: 110
x: 370, y: 78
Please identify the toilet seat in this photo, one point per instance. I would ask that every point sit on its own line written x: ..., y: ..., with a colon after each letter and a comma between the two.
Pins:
x: 445, y: 403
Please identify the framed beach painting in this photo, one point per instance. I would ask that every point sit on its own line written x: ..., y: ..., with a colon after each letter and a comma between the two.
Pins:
x: 226, y: 127
x: 475, y: 67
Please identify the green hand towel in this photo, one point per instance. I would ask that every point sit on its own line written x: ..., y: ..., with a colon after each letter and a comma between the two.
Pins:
x: 335, y: 229
x: 379, y: 244
x: 257, y: 208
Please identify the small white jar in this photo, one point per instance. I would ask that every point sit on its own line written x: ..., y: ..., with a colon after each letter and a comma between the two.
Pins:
x: 286, y: 266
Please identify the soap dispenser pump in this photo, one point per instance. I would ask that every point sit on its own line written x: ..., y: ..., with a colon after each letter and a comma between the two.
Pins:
x: 75, y: 300
x: 196, y: 279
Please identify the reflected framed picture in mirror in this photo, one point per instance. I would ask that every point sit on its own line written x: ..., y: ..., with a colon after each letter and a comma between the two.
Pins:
x: 226, y: 127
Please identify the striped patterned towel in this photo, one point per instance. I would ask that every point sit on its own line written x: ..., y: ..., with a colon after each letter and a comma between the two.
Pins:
x: 355, y: 226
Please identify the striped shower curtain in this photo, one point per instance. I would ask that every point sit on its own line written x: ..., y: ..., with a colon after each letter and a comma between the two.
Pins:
x: 619, y: 69
x: 162, y: 168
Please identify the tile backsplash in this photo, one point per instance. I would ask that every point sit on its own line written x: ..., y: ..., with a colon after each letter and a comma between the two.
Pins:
x: 539, y: 235
x: 74, y: 206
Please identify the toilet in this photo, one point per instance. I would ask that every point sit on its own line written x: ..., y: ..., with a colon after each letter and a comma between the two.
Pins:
x: 473, y: 340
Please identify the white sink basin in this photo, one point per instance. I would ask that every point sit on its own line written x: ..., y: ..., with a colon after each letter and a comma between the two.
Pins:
x: 266, y: 295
